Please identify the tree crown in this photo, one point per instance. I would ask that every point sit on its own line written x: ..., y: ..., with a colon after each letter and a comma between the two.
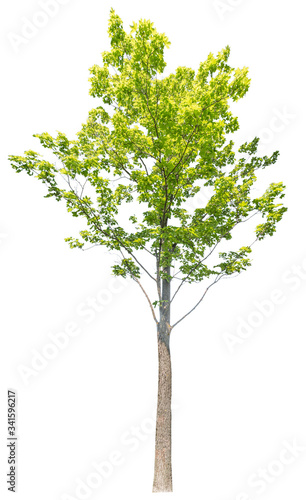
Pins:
x: 155, y: 141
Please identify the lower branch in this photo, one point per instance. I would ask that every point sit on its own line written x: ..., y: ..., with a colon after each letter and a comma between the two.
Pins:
x: 147, y: 297
x: 183, y: 317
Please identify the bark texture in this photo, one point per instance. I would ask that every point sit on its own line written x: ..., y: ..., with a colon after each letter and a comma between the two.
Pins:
x: 163, y: 468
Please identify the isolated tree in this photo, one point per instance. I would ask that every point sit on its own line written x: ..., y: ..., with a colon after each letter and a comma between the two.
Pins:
x: 149, y: 146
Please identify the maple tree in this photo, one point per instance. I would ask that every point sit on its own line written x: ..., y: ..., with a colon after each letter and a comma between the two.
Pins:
x: 150, y: 145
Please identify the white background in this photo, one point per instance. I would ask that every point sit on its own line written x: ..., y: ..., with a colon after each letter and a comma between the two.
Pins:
x: 234, y: 409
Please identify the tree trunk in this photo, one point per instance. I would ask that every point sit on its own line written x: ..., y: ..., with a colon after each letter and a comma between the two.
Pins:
x: 163, y: 468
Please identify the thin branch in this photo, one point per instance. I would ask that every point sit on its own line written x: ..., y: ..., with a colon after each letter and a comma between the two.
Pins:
x: 218, y: 278
x: 183, y: 317
x: 97, y: 223
x: 83, y: 188
x: 121, y: 164
x: 95, y: 245
x: 151, y: 306
x: 212, y: 250
x: 144, y: 165
x: 119, y: 178
x: 147, y: 297
x: 144, y: 248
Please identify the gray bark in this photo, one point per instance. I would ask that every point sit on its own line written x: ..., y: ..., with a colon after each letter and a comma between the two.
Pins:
x: 163, y: 467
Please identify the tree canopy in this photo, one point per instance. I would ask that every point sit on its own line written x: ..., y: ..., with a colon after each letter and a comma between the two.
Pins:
x: 152, y: 143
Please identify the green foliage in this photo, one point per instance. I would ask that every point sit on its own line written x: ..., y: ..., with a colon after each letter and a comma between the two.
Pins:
x: 126, y: 268
x: 157, y: 140
x: 235, y: 262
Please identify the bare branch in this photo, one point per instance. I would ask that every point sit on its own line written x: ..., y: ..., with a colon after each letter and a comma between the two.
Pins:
x: 183, y: 317
x: 151, y: 306
x: 145, y: 293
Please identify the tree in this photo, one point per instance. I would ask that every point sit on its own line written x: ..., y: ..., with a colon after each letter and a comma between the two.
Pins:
x: 153, y: 142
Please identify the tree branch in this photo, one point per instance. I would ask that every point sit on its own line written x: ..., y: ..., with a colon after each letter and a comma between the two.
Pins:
x: 97, y: 223
x: 183, y: 317
x: 145, y: 293
x: 151, y: 306
x: 212, y: 250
